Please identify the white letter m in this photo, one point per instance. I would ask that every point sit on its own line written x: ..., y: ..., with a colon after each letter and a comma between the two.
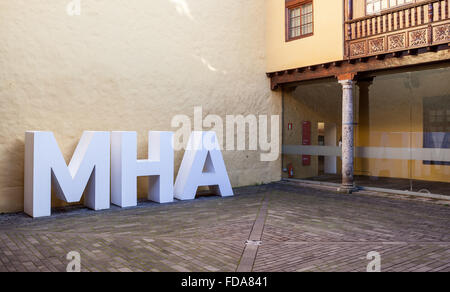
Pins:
x: 88, y: 169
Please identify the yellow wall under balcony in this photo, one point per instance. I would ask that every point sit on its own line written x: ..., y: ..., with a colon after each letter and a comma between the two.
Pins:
x: 325, y: 45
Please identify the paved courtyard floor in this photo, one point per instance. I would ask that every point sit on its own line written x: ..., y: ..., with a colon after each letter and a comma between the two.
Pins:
x: 299, y: 229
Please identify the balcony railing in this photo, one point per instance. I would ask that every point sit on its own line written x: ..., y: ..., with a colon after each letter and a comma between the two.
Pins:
x: 418, y: 25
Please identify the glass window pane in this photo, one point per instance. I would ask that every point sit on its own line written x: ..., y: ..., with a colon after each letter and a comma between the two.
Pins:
x: 307, y: 8
x: 306, y: 18
x: 300, y: 20
x: 402, y: 136
x: 306, y: 29
x: 295, y: 32
x: 377, y: 6
x: 295, y: 12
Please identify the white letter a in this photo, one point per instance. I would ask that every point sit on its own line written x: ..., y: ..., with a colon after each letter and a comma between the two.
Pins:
x: 202, y: 165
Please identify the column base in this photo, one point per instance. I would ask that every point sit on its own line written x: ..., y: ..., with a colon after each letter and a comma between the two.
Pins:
x: 347, y: 189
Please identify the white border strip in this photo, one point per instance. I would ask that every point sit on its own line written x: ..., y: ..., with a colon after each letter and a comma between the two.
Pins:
x: 420, y: 154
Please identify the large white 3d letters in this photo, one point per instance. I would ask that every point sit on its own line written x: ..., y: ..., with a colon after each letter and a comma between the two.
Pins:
x: 126, y: 168
x: 89, y: 169
x: 202, y: 165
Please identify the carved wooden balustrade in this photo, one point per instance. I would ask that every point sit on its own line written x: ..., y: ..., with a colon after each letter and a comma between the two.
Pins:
x: 409, y: 27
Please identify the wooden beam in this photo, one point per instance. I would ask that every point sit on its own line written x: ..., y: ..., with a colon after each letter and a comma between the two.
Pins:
x: 372, y: 65
x: 432, y: 48
x: 346, y: 76
x: 412, y: 52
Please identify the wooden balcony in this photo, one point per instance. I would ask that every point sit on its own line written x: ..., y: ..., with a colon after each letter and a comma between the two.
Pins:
x: 409, y: 28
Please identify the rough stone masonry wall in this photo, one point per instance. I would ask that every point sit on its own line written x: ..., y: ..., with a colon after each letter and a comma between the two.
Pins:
x: 128, y: 65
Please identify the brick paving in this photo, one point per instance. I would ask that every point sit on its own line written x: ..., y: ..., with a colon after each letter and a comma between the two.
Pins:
x: 304, y: 230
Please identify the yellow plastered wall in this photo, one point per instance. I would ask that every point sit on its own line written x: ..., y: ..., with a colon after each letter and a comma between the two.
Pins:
x: 325, y: 45
x: 128, y: 65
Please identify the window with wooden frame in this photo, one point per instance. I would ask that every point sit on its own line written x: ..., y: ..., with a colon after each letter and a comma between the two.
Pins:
x: 375, y: 6
x: 299, y: 19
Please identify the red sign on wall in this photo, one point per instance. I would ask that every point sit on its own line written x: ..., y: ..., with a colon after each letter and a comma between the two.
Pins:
x: 306, y: 140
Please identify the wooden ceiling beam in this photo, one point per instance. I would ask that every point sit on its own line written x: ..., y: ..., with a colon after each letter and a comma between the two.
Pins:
x: 371, y: 64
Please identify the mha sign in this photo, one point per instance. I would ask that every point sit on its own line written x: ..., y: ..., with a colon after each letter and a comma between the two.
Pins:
x: 104, y: 166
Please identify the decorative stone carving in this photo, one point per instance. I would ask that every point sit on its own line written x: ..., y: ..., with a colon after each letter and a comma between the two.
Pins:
x: 357, y: 49
x: 376, y: 45
x: 397, y: 41
x: 441, y: 33
x: 418, y: 37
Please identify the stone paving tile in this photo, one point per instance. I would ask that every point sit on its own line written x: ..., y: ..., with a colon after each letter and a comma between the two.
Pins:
x: 328, y: 232
x: 305, y: 230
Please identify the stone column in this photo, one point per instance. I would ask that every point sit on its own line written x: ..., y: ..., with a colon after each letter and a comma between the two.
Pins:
x: 347, y: 136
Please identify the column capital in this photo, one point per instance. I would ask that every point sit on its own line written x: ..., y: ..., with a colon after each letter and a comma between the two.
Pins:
x: 346, y: 76
x: 347, y: 84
